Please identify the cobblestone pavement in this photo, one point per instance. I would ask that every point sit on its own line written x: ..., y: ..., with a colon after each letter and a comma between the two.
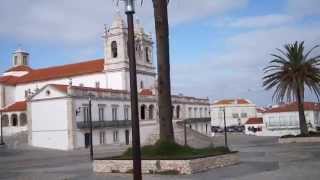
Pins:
x: 261, y: 159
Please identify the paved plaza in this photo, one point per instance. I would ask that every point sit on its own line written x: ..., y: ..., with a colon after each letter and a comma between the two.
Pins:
x: 262, y: 158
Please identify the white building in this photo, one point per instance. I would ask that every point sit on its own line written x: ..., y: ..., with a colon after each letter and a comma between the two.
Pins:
x: 39, y: 100
x: 284, y: 119
x: 237, y: 112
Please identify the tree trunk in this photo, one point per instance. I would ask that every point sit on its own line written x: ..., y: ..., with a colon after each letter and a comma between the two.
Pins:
x: 302, y: 118
x: 163, y: 59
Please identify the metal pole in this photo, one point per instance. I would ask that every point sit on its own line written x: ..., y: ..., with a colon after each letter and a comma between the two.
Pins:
x: 136, y: 152
x: 225, y: 128
x: 1, y: 143
x: 185, y: 132
x: 90, y: 124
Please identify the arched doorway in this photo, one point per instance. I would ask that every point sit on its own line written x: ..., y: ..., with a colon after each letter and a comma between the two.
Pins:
x: 151, y: 111
x: 14, y: 120
x: 127, y: 135
x: 23, y: 119
x: 5, y: 121
x: 178, y: 112
x: 143, y: 112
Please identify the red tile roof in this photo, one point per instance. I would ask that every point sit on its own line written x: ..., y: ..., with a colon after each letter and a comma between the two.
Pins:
x: 146, y: 92
x: 20, y: 68
x: 17, y: 106
x: 255, y: 121
x: 231, y: 101
x: 64, y: 88
x: 291, y: 107
x: 260, y: 110
x: 58, y: 72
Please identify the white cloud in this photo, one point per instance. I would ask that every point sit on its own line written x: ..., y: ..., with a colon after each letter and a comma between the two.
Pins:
x: 80, y: 22
x: 265, y: 21
x: 238, y: 71
x: 303, y: 7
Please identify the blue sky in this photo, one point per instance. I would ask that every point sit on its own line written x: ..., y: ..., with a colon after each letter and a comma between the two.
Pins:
x: 218, y: 47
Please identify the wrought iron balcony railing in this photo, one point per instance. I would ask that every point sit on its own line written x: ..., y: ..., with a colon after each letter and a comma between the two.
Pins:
x: 104, y: 124
x: 195, y: 120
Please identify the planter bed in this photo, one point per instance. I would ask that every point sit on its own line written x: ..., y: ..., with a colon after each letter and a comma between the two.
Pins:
x: 182, y: 166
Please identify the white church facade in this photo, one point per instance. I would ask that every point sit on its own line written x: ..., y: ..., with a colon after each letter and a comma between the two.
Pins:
x: 51, y: 104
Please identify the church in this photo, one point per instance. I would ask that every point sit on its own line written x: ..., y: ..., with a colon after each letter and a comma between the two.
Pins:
x: 51, y: 104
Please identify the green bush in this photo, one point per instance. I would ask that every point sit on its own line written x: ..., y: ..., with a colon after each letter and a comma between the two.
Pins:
x: 168, y: 150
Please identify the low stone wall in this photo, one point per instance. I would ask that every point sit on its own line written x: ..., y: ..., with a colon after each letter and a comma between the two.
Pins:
x: 299, y: 140
x: 158, y: 166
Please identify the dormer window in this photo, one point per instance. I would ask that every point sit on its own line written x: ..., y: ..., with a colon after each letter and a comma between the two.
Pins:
x: 147, y: 54
x: 114, y: 49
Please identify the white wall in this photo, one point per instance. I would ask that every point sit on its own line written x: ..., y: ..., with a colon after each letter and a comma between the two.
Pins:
x: 285, y: 123
x: 217, y: 114
x: 49, y: 124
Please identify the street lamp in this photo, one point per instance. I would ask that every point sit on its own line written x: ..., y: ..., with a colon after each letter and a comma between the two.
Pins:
x: 1, y: 140
x: 90, y: 125
x: 136, y: 152
x: 225, y: 126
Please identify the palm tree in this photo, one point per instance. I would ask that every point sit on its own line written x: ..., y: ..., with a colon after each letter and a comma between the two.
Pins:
x: 289, y: 73
x: 163, y: 59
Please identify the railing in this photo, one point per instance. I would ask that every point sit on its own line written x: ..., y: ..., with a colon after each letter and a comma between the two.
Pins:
x: 195, y: 120
x: 103, y: 124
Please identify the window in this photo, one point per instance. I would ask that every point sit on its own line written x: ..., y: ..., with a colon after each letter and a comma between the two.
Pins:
x: 200, y: 112
x: 195, y: 112
x: 15, y: 60
x: 97, y: 84
x: 86, y: 113
x: 115, y: 136
x: 114, y: 112
x: 244, y: 115
x: 190, y: 112
x: 114, y: 49
x: 235, y: 115
x: 126, y: 112
x: 141, y: 85
x: 24, y: 60
x: 147, y: 54
x: 102, y: 137
x: 101, y: 112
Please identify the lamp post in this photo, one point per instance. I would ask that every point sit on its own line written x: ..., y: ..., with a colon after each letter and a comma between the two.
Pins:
x: 1, y: 140
x: 225, y: 127
x: 90, y: 126
x: 136, y: 152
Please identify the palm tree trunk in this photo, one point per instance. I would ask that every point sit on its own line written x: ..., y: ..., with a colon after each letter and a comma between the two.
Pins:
x: 163, y: 58
x: 302, y: 118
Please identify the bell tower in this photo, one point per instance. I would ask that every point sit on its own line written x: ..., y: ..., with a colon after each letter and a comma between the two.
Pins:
x: 20, y: 58
x: 116, y: 56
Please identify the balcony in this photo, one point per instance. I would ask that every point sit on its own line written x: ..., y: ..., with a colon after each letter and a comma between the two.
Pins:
x: 195, y: 120
x: 104, y: 124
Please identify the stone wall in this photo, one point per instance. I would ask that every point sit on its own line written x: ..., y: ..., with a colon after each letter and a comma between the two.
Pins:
x: 299, y: 140
x: 157, y: 166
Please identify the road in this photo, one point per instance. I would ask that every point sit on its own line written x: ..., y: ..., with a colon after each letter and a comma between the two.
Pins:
x: 261, y: 158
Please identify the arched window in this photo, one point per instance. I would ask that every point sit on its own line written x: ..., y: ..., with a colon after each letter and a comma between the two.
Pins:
x: 23, y: 119
x: 5, y: 120
x: 151, y: 109
x: 147, y: 54
x: 14, y: 120
x: 178, y: 112
x: 114, y: 49
x: 143, y: 112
